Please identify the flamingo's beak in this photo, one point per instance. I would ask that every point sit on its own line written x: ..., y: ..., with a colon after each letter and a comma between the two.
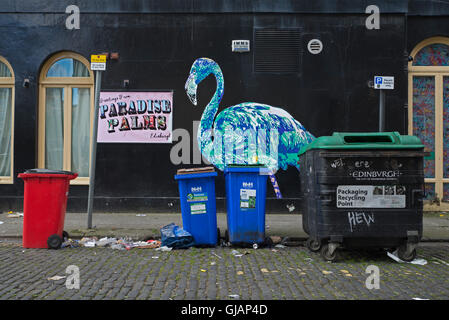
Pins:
x: 191, y: 88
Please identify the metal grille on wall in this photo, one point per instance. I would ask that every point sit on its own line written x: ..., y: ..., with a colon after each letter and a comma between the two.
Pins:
x: 277, y: 50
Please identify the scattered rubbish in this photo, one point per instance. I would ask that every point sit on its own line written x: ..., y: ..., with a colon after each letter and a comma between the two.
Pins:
x: 297, y: 269
x: 103, y: 242
x: 348, y: 275
x: 281, y: 246
x: 1, y: 222
x: 275, y: 239
x: 234, y: 296
x: 164, y: 248
x: 274, y: 271
x: 441, y: 261
x: 176, y: 237
x: 274, y: 250
x: 14, y: 215
x: 290, y: 207
x: 89, y: 244
x: 239, y: 273
x: 344, y: 271
x: 264, y: 270
x: 155, y: 257
x: 396, y: 258
x: 141, y: 215
x: 419, y: 299
x: 84, y: 240
x: 267, y: 227
x: 213, y: 263
x: 55, y: 278
x: 113, y: 243
x: 202, y: 270
x: 235, y: 253
x: 69, y: 243
x: 150, y: 244
x: 255, y: 246
x: 216, y: 255
x: 117, y: 246
x: 326, y: 272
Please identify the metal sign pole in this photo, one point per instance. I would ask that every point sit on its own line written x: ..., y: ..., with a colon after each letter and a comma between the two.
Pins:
x: 93, y: 153
x: 381, y: 110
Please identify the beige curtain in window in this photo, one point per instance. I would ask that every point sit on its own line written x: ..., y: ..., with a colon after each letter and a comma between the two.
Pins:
x: 4, y: 70
x: 54, y: 128
x: 80, y: 131
x: 79, y: 69
x: 5, y: 130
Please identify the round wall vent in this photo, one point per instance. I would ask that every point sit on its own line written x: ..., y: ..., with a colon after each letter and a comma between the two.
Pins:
x: 315, y: 46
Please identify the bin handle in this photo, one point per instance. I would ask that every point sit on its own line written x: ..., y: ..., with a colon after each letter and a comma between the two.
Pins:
x: 73, y: 176
x: 420, y: 194
x: 377, y: 138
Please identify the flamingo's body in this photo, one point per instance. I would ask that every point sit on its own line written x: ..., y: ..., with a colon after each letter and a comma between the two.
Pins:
x: 245, y: 133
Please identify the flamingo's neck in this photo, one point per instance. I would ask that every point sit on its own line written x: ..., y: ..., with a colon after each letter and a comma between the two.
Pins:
x: 205, y: 134
x: 207, y: 119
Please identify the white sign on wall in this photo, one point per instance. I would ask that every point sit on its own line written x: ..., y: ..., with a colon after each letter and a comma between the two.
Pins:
x: 240, y: 45
x: 381, y: 82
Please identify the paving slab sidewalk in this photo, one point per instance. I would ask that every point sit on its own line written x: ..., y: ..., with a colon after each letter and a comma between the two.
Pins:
x: 140, y: 226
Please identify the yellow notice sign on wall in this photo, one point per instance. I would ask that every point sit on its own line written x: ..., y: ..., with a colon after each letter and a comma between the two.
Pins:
x: 98, y: 58
x: 98, y: 62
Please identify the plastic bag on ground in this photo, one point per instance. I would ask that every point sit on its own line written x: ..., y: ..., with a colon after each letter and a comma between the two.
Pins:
x: 173, y: 236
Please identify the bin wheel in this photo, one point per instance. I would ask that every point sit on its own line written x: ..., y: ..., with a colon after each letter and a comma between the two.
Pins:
x: 226, y: 236
x: 54, y: 241
x: 327, y: 255
x: 402, y: 254
x: 65, y: 236
x: 313, y: 245
x: 268, y: 242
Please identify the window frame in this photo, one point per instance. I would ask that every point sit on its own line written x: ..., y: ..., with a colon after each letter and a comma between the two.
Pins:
x: 9, y: 82
x: 438, y: 72
x: 68, y: 83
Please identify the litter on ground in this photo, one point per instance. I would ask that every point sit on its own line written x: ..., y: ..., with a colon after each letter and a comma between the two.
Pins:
x: 396, y: 258
x: 55, y: 278
x: 14, y: 214
x: 113, y: 243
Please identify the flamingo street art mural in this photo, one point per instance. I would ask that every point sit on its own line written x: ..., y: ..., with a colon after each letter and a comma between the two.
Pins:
x: 248, y: 133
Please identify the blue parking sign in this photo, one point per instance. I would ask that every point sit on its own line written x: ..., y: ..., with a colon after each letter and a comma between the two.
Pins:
x: 383, y: 82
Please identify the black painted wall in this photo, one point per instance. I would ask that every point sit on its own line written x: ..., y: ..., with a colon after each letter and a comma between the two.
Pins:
x: 159, y: 40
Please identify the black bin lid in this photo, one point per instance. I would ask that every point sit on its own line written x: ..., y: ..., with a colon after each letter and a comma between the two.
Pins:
x: 48, y: 171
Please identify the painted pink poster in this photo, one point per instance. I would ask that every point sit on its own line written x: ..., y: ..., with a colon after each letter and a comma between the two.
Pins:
x: 135, y: 117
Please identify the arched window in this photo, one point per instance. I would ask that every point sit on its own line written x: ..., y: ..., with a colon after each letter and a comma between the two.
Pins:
x: 435, y: 54
x: 429, y: 111
x: 65, y: 114
x: 6, y: 121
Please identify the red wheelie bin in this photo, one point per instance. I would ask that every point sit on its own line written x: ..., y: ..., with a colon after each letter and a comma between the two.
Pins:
x: 44, y: 207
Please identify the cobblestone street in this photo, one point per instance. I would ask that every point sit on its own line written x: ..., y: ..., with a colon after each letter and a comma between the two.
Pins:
x: 216, y: 273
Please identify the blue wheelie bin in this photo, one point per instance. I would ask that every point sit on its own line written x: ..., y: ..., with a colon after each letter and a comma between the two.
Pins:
x: 198, y: 204
x: 246, y: 188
